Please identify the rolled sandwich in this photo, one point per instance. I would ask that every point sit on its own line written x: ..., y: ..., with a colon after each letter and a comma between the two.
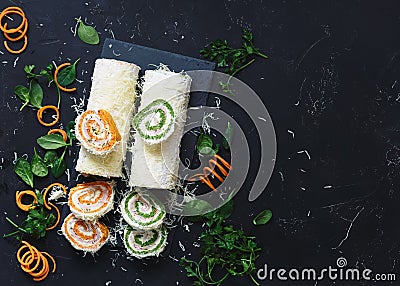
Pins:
x: 141, y: 211
x: 145, y: 243
x: 96, y: 131
x: 90, y: 201
x: 159, y: 128
x: 88, y: 236
x: 113, y: 90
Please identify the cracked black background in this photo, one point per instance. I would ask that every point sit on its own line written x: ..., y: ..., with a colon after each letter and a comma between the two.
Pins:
x: 331, y: 79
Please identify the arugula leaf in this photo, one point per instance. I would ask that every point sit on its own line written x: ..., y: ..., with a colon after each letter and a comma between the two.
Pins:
x: 51, y: 141
x: 67, y: 75
x: 263, y: 217
x: 36, y: 222
x: 226, y: 140
x: 23, y: 169
x: 50, y: 157
x: 233, y: 60
x: 38, y: 166
x: 226, y: 252
x: 35, y: 94
x: 87, y: 34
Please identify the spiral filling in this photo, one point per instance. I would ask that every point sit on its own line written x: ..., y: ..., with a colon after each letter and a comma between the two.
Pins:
x: 141, y: 211
x: 97, y: 131
x: 91, y: 200
x: 155, y: 122
x: 141, y: 243
x: 85, y: 235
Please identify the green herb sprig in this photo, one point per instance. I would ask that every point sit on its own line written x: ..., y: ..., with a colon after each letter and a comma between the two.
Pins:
x: 232, y: 59
x: 224, y: 248
x: 36, y: 222
x: 38, y: 165
x: 204, y: 145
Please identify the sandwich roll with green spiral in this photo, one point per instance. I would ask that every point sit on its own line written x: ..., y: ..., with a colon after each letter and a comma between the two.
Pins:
x: 155, y: 122
x: 145, y: 243
x: 141, y: 210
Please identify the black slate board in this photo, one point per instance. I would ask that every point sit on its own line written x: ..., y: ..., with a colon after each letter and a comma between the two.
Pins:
x: 147, y: 58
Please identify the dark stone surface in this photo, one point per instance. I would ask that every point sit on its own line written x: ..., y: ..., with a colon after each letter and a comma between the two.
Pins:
x: 332, y: 79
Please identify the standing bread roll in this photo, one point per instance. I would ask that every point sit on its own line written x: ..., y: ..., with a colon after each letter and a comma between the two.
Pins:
x: 113, y: 90
x: 162, y: 89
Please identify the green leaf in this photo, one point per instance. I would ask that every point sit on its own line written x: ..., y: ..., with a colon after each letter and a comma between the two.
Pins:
x: 226, y: 210
x: 51, y: 141
x: 50, y: 157
x: 35, y: 94
x: 204, y: 145
x: 22, y: 92
x: 67, y: 75
x: 87, y: 34
x: 196, y: 206
x: 59, y: 167
x: 263, y: 217
x: 29, y: 71
x: 47, y: 74
x: 38, y: 166
x: 226, y: 140
x: 70, y: 130
x: 23, y: 169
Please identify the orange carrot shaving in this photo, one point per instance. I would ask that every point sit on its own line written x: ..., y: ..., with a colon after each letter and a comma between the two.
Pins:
x: 15, y: 52
x: 22, y: 33
x: 56, y: 80
x: 19, y: 195
x: 58, y: 217
x: 39, y: 115
x: 22, y: 29
x: 40, y: 269
x: 204, y: 177
x: 48, y: 189
x: 59, y: 131
x: 12, y: 10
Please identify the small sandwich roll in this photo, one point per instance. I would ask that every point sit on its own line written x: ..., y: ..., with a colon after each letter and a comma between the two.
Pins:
x: 160, y: 124
x: 141, y: 211
x: 90, y: 201
x: 114, y: 90
x: 88, y: 236
x: 145, y: 243
x: 96, y: 131
x: 155, y: 123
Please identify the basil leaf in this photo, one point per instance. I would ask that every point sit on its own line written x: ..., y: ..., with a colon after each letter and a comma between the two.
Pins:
x: 50, y: 157
x: 204, y: 145
x: 59, y: 167
x: 38, y: 166
x: 87, y: 34
x: 263, y: 217
x: 195, y: 206
x: 51, y: 141
x: 70, y: 130
x: 67, y: 75
x: 226, y: 140
x: 23, y: 169
x: 22, y: 92
x: 35, y: 94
